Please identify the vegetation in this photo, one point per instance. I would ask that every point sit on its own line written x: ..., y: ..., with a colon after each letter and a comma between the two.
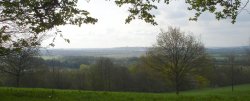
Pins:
x: 222, y: 9
x: 177, y: 55
x: 216, y: 94
x: 132, y: 74
x: 31, y: 18
x: 16, y: 63
x: 177, y: 62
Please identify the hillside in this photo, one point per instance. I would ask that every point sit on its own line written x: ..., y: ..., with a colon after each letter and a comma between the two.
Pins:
x: 128, y: 51
x: 97, y: 52
x: 241, y: 93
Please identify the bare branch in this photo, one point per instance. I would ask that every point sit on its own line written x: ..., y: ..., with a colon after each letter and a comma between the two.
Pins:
x: 243, y: 8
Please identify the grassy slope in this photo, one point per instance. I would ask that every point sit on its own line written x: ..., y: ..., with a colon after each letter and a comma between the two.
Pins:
x: 241, y: 93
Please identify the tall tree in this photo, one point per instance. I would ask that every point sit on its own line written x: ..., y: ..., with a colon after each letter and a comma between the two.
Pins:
x: 247, y: 51
x: 178, y: 55
x: 102, y: 74
x: 231, y: 62
x: 16, y: 64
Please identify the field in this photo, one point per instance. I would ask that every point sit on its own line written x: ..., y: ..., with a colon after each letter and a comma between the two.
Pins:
x: 241, y: 93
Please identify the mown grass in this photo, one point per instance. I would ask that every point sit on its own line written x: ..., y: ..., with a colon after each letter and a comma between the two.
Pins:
x: 241, y: 93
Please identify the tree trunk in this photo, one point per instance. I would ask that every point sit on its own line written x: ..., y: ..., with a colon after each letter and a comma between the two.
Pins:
x: 17, y: 80
x: 232, y: 70
x: 177, y: 85
x: 177, y: 89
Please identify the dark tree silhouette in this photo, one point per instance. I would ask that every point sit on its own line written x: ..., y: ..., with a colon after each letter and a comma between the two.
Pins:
x: 178, y: 55
x: 16, y: 64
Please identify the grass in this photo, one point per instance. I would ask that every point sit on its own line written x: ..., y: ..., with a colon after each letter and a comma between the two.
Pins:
x: 241, y: 93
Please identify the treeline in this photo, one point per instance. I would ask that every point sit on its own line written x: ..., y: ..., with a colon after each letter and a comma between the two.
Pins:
x: 109, y: 74
x: 176, y: 62
x: 93, y: 73
x: 74, y: 62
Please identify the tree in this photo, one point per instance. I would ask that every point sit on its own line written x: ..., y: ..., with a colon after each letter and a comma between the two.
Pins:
x: 231, y: 62
x: 16, y: 64
x: 33, y: 18
x: 222, y: 9
x: 178, y: 54
x: 102, y: 74
x: 247, y: 52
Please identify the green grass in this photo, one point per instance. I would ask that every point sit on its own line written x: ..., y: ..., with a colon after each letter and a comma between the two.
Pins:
x: 241, y: 93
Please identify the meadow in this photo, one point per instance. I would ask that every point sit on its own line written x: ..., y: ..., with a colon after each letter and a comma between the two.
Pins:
x: 240, y: 93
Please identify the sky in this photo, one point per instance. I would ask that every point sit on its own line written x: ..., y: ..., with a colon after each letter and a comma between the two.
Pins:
x: 111, y: 31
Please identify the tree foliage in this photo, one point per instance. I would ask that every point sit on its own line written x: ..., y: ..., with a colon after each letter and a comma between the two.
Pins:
x: 102, y: 71
x: 17, y: 63
x: 178, y: 54
x: 34, y: 17
x: 222, y: 9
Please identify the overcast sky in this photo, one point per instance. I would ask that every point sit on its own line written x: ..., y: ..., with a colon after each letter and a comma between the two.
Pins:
x: 111, y: 30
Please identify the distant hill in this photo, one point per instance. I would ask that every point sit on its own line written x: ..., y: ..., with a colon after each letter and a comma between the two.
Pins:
x: 225, y: 50
x: 97, y: 52
x: 120, y: 52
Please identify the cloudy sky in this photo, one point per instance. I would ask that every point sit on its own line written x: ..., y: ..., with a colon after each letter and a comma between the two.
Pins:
x: 111, y: 30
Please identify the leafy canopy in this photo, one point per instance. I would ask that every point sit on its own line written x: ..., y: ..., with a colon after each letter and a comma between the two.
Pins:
x: 222, y: 9
x: 34, y: 17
